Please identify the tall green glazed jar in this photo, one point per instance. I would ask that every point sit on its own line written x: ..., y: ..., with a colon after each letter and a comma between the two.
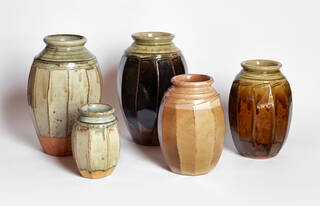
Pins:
x: 63, y: 76
x: 144, y: 75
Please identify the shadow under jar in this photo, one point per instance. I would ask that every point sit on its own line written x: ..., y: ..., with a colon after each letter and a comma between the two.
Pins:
x: 260, y: 109
x: 144, y: 75
x: 63, y: 76
x: 191, y: 125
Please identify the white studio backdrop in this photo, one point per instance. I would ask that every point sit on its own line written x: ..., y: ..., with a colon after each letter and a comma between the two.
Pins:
x: 214, y: 36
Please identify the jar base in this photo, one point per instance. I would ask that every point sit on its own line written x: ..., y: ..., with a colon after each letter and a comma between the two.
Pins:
x: 189, y: 173
x: 153, y: 144
x: 56, y: 146
x: 96, y: 174
x: 257, y: 157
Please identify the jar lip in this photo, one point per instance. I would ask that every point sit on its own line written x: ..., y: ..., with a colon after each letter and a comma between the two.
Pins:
x: 261, y: 65
x: 152, y: 37
x: 65, y: 40
x: 96, y: 110
x: 192, y: 80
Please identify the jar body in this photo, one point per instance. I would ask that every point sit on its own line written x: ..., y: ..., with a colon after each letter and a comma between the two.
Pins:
x: 191, y: 129
x: 143, y: 77
x: 259, y: 113
x: 56, y: 88
x: 96, y: 148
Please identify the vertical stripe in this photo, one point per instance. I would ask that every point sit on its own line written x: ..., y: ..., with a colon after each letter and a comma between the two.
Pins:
x: 158, y: 82
x: 78, y: 94
x: 273, y: 105
x: 169, y: 127
x: 107, y: 134
x: 89, y: 151
x: 57, y: 100
x: 48, y: 104
x: 263, y: 126
x: 67, y: 108
x: 173, y: 67
x: 186, y: 138
x: 88, y: 97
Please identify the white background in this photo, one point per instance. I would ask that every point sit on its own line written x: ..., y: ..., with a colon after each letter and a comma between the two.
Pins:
x: 214, y: 36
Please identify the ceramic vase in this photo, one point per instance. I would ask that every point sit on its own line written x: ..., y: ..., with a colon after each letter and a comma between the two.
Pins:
x: 96, y: 140
x: 63, y: 76
x: 260, y: 109
x: 144, y: 75
x: 191, y: 125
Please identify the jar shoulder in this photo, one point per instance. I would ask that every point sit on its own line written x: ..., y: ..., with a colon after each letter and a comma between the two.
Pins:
x: 42, y: 64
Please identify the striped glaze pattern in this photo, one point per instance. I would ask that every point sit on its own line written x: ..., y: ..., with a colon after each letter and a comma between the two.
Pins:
x: 260, y: 105
x: 96, y: 148
x: 55, y: 91
x: 142, y: 82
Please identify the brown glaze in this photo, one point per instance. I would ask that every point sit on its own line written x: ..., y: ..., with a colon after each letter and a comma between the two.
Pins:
x: 56, y: 146
x: 260, y: 109
x: 191, y: 125
x: 144, y: 75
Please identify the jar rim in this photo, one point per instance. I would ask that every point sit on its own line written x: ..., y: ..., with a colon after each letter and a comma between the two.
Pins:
x: 192, y: 80
x: 261, y: 65
x: 152, y: 37
x: 96, y: 110
x: 65, y: 40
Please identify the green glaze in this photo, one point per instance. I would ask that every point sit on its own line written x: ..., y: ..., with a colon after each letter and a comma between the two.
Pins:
x: 65, y: 48
x: 152, y: 43
x: 63, y: 76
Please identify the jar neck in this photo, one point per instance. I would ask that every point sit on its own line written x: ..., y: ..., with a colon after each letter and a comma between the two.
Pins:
x: 192, y: 87
x: 96, y: 114
x: 261, y: 66
x: 152, y: 43
x: 65, y: 48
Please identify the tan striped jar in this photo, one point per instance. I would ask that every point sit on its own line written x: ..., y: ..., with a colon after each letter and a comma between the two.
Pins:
x: 96, y: 140
x: 63, y: 76
x: 191, y: 125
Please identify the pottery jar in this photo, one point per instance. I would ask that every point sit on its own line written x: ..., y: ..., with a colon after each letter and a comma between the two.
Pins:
x: 191, y: 125
x: 63, y: 76
x: 260, y: 109
x: 144, y: 75
x: 96, y: 140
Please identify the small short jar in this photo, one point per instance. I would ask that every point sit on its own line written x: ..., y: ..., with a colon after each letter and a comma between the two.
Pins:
x: 96, y: 140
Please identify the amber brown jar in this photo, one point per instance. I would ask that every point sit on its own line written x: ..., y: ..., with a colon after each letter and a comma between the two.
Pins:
x: 191, y: 125
x: 260, y: 109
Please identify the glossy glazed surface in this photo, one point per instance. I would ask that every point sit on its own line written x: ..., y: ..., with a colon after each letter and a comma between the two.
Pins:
x: 260, y: 109
x: 191, y: 125
x: 144, y: 75
x: 96, y: 140
x: 63, y: 77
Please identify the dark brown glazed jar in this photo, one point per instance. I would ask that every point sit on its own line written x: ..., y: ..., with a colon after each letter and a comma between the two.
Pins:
x: 144, y: 75
x: 260, y: 109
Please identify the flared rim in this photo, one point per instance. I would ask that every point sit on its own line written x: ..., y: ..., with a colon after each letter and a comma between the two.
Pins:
x: 192, y: 80
x: 261, y: 65
x: 153, y: 37
x: 65, y: 40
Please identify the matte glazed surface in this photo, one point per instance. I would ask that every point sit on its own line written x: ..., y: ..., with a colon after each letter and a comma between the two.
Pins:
x: 63, y: 77
x: 96, y: 141
x: 191, y: 125
x: 260, y: 109
x: 144, y: 75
